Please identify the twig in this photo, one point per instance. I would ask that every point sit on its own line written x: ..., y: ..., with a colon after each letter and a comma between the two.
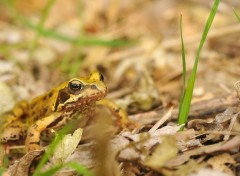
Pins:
x: 162, y: 120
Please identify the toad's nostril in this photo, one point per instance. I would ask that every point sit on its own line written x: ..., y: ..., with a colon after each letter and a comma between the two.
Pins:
x: 101, y: 77
x: 93, y: 87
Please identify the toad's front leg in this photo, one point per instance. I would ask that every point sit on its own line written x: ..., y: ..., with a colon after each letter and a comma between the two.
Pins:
x: 120, y: 114
x: 33, y: 134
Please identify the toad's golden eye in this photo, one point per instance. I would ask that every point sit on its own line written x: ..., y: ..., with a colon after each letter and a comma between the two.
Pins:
x: 75, y: 85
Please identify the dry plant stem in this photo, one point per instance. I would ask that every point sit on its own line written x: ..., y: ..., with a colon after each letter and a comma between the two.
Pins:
x: 162, y: 120
x: 202, y: 109
x: 231, y: 144
x: 225, y: 88
x: 17, y: 147
x: 199, y: 133
x: 233, y: 120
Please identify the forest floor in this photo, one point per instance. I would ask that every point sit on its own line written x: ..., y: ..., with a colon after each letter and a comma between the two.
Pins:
x: 136, y: 45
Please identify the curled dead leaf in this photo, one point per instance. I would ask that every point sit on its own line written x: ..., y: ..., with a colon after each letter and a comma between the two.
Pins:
x: 22, y: 167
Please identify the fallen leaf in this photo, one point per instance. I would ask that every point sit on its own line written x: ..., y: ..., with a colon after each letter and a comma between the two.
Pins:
x: 208, y: 172
x: 189, y: 167
x: 141, y: 144
x: 144, y: 97
x: 219, y: 162
x: 221, y: 146
x: 21, y: 167
x: 159, y: 156
x: 66, y: 147
x: 7, y: 98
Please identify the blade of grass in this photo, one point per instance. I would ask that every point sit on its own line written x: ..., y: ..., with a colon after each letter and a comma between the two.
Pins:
x: 77, y: 41
x: 51, y: 148
x: 41, y: 31
x: 76, y: 166
x: 75, y: 67
x: 11, y: 6
x: 185, y: 107
x: 64, y: 64
x: 236, y: 14
x: 183, y: 55
x: 71, y: 64
x: 66, y: 129
x: 184, y: 66
x: 3, y: 170
x: 40, y: 26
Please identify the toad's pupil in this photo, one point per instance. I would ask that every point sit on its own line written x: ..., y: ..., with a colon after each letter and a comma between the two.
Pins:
x: 75, y: 86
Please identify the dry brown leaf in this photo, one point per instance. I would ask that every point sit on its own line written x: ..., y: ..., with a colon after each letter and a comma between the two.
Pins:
x: 220, y: 146
x: 130, y: 169
x: 230, y: 128
x: 145, y: 95
x: 203, y: 124
x: 22, y: 166
x: 139, y: 145
x: 159, y: 156
x: 187, y: 140
x: 188, y: 168
x: 233, y: 143
x: 208, y: 172
x: 219, y: 162
x: 7, y: 98
x: 222, y: 122
x: 189, y: 144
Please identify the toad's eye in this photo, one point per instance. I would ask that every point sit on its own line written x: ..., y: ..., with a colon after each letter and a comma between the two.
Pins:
x: 101, y: 77
x: 75, y: 85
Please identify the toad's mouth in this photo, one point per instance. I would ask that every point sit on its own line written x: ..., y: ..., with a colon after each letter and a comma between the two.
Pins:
x: 92, y: 98
x: 84, y: 101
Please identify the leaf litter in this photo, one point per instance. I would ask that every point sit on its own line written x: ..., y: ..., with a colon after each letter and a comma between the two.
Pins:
x: 144, y: 78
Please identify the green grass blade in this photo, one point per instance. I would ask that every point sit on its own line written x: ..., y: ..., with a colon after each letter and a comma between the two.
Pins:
x: 74, y: 165
x: 64, y: 64
x: 77, y: 41
x: 185, y: 107
x: 184, y: 66
x: 66, y: 129
x: 40, y: 26
x: 183, y: 55
x: 236, y: 14
x: 75, y: 67
x: 2, y: 170
x: 51, y: 148
x: 49, y: 33
x: 80, y: 169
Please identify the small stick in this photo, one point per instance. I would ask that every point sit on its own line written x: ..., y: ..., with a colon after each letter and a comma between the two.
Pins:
x: 162, y: 120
